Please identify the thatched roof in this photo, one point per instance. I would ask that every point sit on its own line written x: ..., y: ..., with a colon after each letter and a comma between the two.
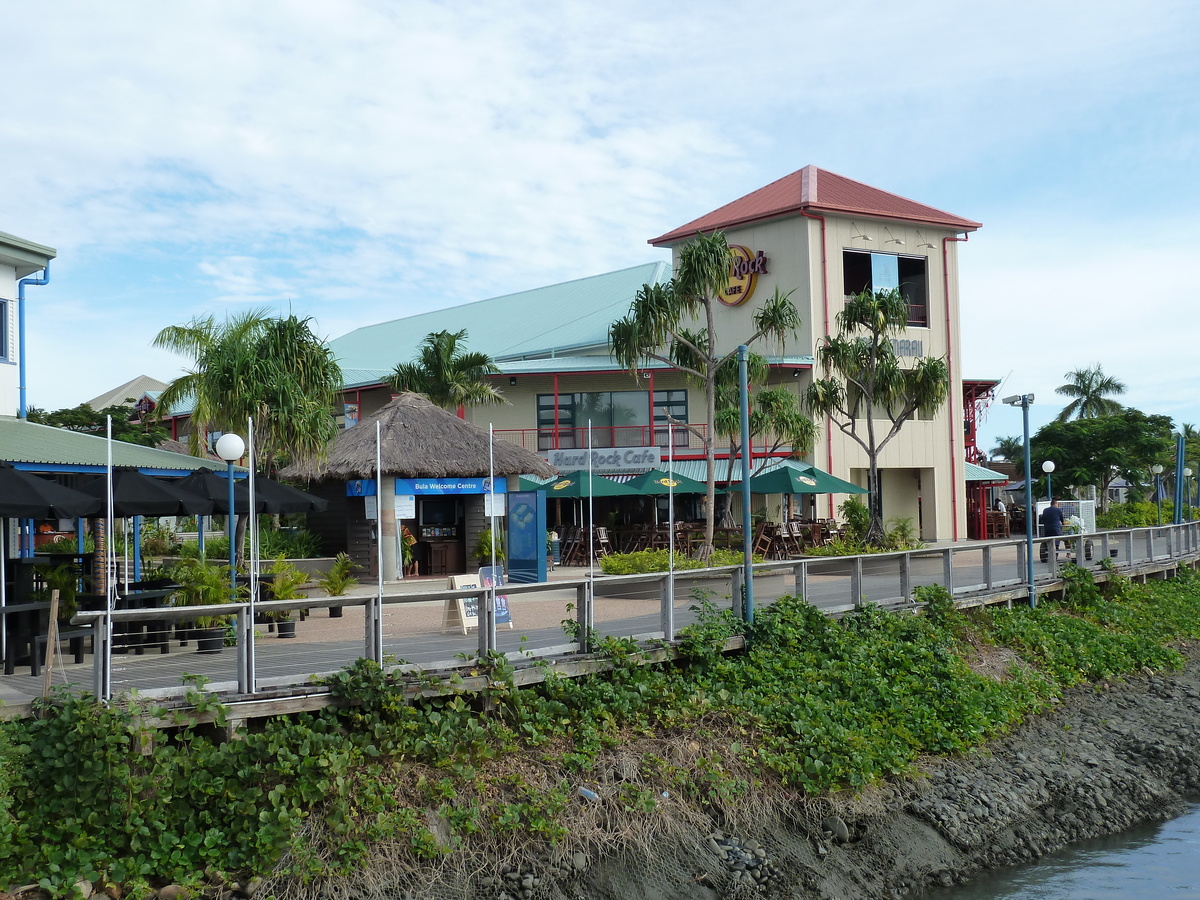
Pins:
x: 419, y: 440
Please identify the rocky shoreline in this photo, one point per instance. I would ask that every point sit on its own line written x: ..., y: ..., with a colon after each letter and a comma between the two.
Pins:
x: 1106, y: 758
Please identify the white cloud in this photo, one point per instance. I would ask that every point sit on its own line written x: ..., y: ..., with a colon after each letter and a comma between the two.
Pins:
x: 369, y: 159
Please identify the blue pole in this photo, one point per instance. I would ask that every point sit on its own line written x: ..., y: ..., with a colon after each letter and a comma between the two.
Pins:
x: 1158, y: 495
x: 1179, y: 494
x: 747, y: 536
x: 232, y: 532
x: 1028, y: 504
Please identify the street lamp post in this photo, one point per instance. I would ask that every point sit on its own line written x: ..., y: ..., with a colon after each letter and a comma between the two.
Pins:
x: 230, y: 448
x: 1187, y: 494
x: 1048, y: 468
x: 1023, y: 401
x: 1157, y: 470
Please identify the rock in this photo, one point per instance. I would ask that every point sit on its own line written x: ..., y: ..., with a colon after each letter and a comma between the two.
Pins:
x: 84, y: 887
x: 579, y: 861
x: 172, y: 892
x: 837, y: 828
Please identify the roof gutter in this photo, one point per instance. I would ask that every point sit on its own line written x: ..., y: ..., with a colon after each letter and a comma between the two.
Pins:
x: 45, y: 279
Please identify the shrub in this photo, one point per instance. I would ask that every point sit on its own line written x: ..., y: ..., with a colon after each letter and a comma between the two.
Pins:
x: 340, y: 576
x: 646, y: 561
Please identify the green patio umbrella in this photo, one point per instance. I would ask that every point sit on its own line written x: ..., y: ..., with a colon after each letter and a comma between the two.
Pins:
x: 656, y: 482
x: 799, y: 478
x: 575, y: 485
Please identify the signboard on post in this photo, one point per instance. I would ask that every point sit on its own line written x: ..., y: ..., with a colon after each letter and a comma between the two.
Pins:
x: 462, y: 613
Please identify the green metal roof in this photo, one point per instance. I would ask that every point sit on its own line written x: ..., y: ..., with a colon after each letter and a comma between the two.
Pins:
x: 32, y: 446
x: 973, y: 472
x: 558, y: 318
x: 605, y: 363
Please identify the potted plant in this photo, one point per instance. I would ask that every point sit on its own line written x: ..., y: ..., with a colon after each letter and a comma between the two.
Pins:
x: 63, y: 578
x: 285, y: 585
x: 201, y: 584
x: 483, y: 547
x: 338, y: 580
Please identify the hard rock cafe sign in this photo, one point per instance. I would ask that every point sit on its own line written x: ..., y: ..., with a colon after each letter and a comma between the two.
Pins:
x: 743, y: 274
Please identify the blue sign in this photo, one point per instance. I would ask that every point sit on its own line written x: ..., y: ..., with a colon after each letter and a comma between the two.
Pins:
x: 527, y: 536
x: 361, y: 487
x: 428, y: 486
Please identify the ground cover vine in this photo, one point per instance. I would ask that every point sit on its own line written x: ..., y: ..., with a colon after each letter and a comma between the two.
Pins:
x: 428, y: 772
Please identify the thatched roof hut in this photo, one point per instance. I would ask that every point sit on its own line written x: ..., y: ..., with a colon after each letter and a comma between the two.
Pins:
x: 419, y: 440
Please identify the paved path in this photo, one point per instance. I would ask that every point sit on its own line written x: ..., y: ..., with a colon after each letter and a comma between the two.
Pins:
x: 414, y: 629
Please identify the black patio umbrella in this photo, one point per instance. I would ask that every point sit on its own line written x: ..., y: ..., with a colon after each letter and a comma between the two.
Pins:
x: 135, y: 494
x: 278, y: 498
x: 210, y: 485
x: 24, y: 495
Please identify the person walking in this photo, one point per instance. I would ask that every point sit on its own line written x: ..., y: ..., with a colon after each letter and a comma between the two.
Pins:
x: 1052, y: 522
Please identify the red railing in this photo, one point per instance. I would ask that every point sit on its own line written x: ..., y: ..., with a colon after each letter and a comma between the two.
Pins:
x: 542, y: 439
x: 685, y: 443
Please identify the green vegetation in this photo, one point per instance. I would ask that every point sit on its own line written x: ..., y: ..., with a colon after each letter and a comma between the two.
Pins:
x: 658, y: 327
x: 812, y: 704
x: 447, y: 373
x: 340, y: 576
x: 866, y: 391
x: 644, y: 562
x: 95, y: 421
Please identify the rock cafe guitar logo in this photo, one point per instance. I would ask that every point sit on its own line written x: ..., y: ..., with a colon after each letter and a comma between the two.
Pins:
x: 743, y: 274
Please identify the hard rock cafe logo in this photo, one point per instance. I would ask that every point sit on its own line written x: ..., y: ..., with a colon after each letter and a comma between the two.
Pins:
x: 743, y: 274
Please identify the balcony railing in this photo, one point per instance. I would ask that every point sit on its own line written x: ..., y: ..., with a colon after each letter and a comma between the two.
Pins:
x: 682, y: 441
x: 562, y: 438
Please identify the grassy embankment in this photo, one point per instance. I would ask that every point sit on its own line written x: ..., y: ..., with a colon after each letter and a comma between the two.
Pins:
x: 812, y: 706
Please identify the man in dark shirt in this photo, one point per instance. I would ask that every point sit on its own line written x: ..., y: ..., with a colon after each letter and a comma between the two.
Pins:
x: 1052, y: 521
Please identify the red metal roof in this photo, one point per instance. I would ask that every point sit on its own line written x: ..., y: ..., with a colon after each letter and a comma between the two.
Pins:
x: 816, y: 189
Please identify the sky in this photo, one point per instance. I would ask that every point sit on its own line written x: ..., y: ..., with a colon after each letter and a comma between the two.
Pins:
x: 362, y: 161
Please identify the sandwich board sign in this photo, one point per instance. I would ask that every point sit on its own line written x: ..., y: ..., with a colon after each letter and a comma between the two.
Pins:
x: 462, y: 613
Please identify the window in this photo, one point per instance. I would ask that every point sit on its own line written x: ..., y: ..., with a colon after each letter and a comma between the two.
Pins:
x: 618, y: 419
x: 865, y: 271
x: 4, y: 354
x: 669, y: 407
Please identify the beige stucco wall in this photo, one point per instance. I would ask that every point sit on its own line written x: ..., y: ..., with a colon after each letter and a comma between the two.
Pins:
x: 793, y: 247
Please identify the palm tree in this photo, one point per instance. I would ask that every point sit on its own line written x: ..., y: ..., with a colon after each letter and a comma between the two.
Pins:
x: 273, y: 370
x: 255, y: 366
x: 865, y: 390
x: 1010, y: 449
x: 448, y: 375
x: 1090, y: 387
x: 655, y: 328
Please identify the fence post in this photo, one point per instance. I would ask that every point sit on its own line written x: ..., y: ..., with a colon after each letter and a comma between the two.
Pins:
x: 666, y: 588
x: 906, y: 576
x: 800, y: 573
x: 582, y: 604
x: 948, y: 569
x: 245, y: 652
x: 738, y: 593
x: 1149, y: 543
x: 1022, y: 566
x: 101, y: 655
x: 987, y: 565
x: 856, y: 596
